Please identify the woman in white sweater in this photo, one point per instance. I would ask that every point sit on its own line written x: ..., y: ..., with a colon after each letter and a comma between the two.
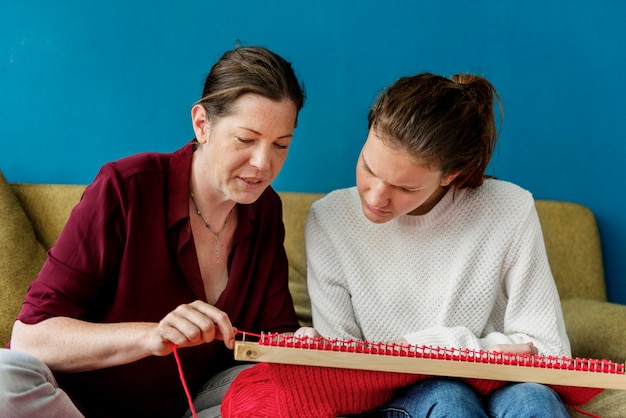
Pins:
x: 425, y: 250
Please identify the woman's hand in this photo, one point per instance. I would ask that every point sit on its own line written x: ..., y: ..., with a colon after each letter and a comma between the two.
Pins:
x: 306, y: 332
x: 189, y: 325
x: 526, y: 348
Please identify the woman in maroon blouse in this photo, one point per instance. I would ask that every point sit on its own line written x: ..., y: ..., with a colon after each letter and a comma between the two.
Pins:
x: 165, y: 250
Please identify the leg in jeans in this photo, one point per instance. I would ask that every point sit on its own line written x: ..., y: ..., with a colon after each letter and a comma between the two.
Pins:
x: 435, y: 397
x: 28, y: 388
x: 525, y: 400
x: 208, y: 401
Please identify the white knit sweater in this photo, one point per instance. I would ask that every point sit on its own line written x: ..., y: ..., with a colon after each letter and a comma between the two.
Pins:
x: 471, y: 273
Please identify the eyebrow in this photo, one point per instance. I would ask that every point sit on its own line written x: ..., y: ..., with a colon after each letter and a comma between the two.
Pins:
x: 260, y: 134
x: 369, y: 170
x: 366, y: 165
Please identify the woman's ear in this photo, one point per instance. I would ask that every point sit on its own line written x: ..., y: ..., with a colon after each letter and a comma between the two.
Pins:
x: 200, y: 123
x: 447, y: 180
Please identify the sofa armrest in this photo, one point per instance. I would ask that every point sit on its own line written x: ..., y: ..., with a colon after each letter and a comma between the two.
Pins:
x: 596, y: 329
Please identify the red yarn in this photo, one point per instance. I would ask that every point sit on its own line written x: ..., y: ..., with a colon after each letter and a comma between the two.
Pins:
x: 184, y: 382
x: 284, y: 391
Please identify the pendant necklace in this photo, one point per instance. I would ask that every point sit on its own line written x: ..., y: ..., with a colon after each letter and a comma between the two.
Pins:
x: 208, y: 226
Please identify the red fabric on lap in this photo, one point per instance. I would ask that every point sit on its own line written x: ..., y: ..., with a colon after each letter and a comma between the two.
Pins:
x: 280, y: 390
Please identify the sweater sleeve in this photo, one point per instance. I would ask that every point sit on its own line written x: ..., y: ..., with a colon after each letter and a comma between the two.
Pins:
x: 533, y: 312
x: 331, y: 305
x: 532, y: 309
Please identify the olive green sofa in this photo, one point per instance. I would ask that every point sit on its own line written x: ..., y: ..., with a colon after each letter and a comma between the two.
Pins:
x: 33, y: 215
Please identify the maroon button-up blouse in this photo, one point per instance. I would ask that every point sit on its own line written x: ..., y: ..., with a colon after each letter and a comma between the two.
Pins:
x: 127, y: 254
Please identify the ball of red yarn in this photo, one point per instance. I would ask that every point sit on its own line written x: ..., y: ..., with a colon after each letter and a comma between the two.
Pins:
x: 251, y: 394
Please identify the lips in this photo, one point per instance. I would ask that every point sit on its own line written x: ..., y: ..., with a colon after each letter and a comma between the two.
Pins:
x: 375, y: 211
x: 252, y: 181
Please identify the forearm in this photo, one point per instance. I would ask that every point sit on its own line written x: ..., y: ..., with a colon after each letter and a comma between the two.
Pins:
x: 70, y: 345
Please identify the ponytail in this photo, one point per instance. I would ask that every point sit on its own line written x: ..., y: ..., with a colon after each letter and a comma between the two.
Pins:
x: 481, y: 95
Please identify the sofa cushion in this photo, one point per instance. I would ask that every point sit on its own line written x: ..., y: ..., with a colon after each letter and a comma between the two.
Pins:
x: 300, y: 295
x: 295, y: 209
x: 48, y: 207
x: 595, y: 328
x: 21, y: 257
x: 573, y: 246
x: 608, y: 404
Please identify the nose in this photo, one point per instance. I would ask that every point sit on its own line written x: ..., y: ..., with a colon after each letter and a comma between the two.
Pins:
x: 378, y: 196
x: 261, y: 158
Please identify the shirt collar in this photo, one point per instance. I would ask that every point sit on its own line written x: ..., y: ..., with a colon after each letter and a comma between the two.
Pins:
x: 178, y: 184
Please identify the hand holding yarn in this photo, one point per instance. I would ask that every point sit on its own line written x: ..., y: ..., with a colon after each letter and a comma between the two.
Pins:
x: 190, y: 325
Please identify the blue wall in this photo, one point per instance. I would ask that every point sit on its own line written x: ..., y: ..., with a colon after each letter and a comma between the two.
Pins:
x: 83, y: 83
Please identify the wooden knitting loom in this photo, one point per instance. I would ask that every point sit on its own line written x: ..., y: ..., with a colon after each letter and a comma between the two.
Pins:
x: 391, y: 357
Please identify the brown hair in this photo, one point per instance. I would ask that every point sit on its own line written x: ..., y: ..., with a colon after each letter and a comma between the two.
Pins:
x: 445, y: 123
x: 245, y: 70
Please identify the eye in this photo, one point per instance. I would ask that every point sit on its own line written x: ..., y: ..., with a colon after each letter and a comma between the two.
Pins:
x: 244, y: 140
x: 281, y: 146
x: 408, y: 190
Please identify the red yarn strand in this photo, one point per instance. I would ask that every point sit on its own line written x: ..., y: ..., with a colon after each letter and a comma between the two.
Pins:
x: 580, y: 411
x: 246, y: 333
x: 184, y: 382
x: 181, y: 373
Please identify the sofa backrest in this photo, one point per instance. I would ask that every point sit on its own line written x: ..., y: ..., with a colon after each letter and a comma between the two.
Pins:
x: 573, y: 246
x: 295, y: 210
x: 48, y: 207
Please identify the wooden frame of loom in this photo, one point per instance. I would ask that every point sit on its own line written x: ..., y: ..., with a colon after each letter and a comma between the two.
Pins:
x: 253, y: 351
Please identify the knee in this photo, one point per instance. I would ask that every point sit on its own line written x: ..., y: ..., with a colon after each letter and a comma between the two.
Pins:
x: 443, y: 387
x: 539, y: 392
x: 544, y: 398
x: 447, y: 397
x: 28, y: 388
x: 20, y: 371
x: 534, y: 398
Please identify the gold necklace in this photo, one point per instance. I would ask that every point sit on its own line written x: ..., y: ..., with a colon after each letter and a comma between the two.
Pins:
x: 208, y: 226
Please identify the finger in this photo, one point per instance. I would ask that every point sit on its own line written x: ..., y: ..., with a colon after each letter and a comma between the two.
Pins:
x: 525, y: 348
x: 187, y: 326
x: 196, y: 322
x: 220, y: 322
x: 306, y: 332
